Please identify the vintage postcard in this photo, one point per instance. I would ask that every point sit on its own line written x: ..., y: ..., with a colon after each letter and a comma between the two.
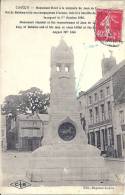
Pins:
x: 62, y: 97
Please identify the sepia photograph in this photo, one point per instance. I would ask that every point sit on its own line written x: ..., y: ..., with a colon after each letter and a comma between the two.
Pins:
x: 62, y: 94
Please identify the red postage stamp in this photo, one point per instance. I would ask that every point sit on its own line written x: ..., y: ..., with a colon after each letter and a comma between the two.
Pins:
x: 108, y: 26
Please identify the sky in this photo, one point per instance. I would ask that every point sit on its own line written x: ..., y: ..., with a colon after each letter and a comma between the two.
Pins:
x: 26, y: 57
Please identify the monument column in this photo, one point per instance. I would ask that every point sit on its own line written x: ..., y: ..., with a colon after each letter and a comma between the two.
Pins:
x: 64, y: 123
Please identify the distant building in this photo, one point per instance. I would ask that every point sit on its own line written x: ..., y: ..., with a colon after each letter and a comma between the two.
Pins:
x: 25, y: 132
x: 3, y: 140
x: 119, y: 123
x: 82, y: 108
x: 99, y: 107
x: 30, y: 131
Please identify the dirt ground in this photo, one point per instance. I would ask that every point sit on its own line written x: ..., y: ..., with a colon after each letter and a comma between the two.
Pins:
x: 15, y: 165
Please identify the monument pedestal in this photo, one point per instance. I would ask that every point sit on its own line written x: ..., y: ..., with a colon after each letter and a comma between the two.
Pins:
x: 67, y: 162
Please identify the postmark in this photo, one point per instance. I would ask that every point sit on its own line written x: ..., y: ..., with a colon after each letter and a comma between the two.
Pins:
x: 108, y: 26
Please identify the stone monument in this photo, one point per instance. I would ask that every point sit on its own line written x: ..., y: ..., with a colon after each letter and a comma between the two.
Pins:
x: 65, y: 154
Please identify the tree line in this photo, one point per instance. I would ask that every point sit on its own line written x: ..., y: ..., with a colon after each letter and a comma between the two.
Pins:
x: 27, y: 101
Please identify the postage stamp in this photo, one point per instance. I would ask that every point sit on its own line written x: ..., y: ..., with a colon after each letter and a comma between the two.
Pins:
x: 108, y: 26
